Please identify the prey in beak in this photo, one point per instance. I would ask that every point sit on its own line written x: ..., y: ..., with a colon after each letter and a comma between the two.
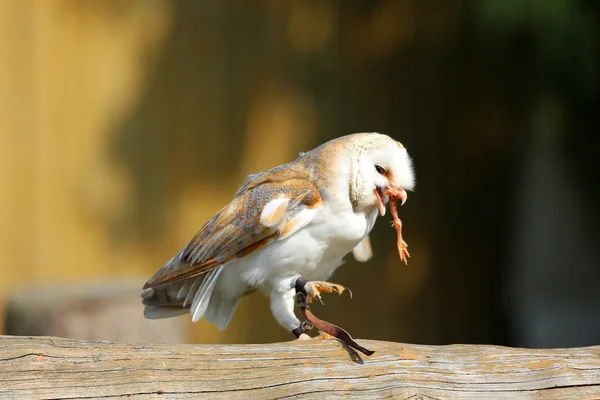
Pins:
x: 395, y: 195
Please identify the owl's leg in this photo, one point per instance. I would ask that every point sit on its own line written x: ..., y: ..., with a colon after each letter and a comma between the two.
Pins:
x: 283, y: 300
x: 289, y: 291
x: 313, y: 289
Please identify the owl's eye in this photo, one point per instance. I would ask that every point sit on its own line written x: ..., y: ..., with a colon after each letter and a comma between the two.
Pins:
x: 380, y: 169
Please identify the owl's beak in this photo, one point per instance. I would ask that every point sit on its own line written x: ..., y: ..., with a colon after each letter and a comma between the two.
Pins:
x: 389, y: 191
x: 397, y: 193
x: 380, y: 201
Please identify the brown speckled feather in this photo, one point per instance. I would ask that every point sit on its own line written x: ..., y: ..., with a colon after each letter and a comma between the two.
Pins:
x: 235, y: 230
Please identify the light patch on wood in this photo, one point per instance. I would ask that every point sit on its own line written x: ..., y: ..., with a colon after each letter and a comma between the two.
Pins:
x: 540, y: 364
x: 407, y: 354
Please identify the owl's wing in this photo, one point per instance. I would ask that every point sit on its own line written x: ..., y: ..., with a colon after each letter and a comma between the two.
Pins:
x: 269, y: 207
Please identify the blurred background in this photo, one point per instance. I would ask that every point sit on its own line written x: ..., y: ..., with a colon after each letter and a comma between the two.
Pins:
x: 124, y: 125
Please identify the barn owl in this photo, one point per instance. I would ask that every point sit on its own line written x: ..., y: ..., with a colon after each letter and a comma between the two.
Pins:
x: 286, y: 231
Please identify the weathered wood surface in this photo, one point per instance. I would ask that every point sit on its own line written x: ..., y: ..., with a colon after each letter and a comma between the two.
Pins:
x: 53, y: 368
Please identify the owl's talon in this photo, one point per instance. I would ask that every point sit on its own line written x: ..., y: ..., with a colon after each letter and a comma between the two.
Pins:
x: 313, y: 289
x: 319, y: 298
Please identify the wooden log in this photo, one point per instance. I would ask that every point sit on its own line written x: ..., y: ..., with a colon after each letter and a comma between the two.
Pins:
x: 57, y: 368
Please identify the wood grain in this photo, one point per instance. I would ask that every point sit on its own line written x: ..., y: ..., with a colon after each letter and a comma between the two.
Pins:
x: 57, y: 368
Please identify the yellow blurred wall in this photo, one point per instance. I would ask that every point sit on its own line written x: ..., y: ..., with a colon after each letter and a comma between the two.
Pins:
x: 70, y: 71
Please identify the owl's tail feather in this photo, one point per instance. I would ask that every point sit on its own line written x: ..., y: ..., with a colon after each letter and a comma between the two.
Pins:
x: 203, y: 293
x: 221, y: 309
x: 154, y: 312
x: 177, y: 298
x: 195, y: 295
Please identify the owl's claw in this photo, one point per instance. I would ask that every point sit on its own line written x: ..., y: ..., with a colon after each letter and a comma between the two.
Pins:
x: 313, y: 289
x: 305, y: 292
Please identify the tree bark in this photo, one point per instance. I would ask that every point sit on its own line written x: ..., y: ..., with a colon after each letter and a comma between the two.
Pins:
x: 57, y: 368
